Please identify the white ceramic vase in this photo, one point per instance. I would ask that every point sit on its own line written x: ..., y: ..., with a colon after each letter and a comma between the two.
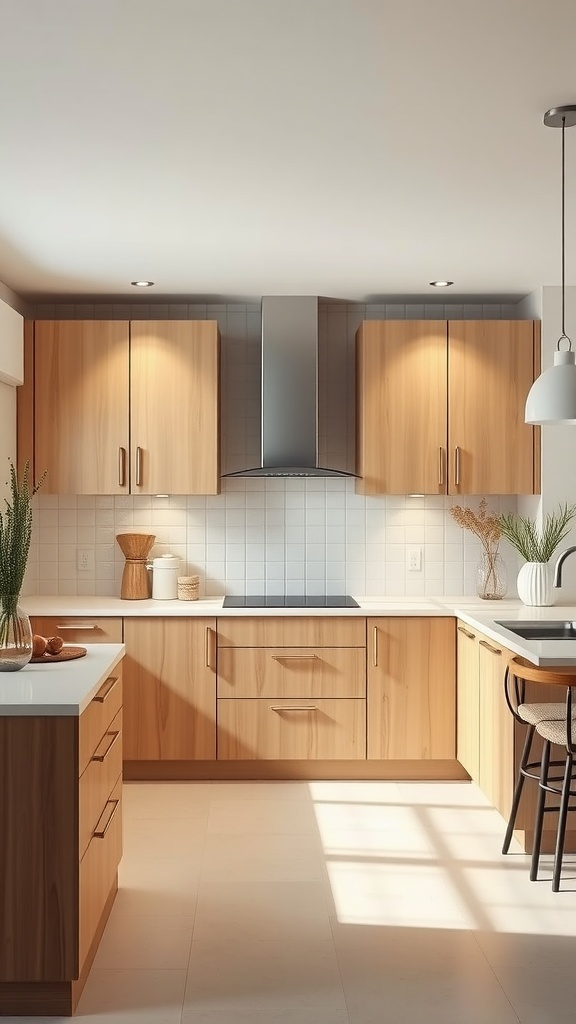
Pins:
x: 534, y: 584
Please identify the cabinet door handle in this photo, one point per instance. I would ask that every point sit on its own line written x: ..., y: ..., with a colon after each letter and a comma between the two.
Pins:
x: 471, y: 636
x: 293, y: 657
x: 138, y: 467
x: 78, y: 625
x: 457, y: 466
x: 493, y: 650
x: 375, y: 646
x: 440, y: 467
x: 209, y: 648
x: 112, y: 737
x: 121, y: 467
x: 99, y: 833
x: 293, y: 707
x: 106, y: 689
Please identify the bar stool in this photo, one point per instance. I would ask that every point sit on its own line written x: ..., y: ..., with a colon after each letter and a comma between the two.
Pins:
x: 554, y: 723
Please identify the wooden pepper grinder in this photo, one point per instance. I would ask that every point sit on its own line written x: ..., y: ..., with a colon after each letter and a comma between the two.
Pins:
x: 135, y: 579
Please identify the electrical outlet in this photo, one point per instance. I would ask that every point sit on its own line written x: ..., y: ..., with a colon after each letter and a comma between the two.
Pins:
x: 85, y: 560
x: 414, y: 559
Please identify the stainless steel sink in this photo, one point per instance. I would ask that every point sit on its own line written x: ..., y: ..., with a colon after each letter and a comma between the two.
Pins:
x: 542, y: 630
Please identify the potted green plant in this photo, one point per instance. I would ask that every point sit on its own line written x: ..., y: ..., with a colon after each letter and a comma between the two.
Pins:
x: 536, y: 545
x: 15, y: 535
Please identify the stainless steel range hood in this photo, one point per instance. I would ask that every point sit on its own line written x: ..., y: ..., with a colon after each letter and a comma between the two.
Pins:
x: 290, y: 416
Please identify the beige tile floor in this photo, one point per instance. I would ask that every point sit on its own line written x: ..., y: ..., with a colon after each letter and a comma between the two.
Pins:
x: 328, y: 903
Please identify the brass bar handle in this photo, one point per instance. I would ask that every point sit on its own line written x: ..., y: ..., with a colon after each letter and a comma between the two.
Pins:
x: 471, y: 636
x: 293, y: 657
x: 441, y: 467
x: 493, y: 650
x: 78, y: 625
x: 99, y: 833
x: 293, y: 707
x: 457, y: 466
x: 121, y: 467
x: 375, y: 646
x: 138, y: 467
x: 209, y: 640
x: 106, y: 689
x: 113, y: 736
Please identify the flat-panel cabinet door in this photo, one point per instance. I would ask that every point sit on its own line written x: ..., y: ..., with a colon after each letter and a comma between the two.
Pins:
x: 468, y: 703
x: 175, y: 406
x: 81, y: 406
x: 169, y: 689
x: 401, y: 407
x: 411, y: 688
x: 490, y: 372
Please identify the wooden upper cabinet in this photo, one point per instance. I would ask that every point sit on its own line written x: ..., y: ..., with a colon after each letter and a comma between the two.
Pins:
x: 81, y: 405
x: 490, y: 372
x: 175, y: 411
x: 440, y: 407
x: 401, y: 401
x: 113, y: 407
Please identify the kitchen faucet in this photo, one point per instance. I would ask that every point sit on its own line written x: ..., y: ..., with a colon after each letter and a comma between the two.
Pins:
x: 559, y: 563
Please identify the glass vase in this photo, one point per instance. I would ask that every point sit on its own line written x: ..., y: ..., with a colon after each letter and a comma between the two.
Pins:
x: 491, y: 581
x: 15, y: 634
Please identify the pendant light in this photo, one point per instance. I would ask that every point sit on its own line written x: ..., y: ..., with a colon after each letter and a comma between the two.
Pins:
x: 552, y: 397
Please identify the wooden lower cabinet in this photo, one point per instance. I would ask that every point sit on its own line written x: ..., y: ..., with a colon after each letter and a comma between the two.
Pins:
x: 286, y: 729
x: 61, y: 800
x: 79, y: 629
x: 411, y: 688
x: 169, y: 689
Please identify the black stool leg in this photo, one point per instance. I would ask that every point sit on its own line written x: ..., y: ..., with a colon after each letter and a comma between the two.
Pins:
x: 518, y: 789
x: 540, y: 811
x: 563, y: 814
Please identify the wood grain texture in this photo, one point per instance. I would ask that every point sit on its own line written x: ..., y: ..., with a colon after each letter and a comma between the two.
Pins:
x: 98, y: 872
x: 38, y: 848
x: 357, y: 768
x: 79, y: 629
x: 297, y: 631
x: 401, y: 406
x: 490, y: 372
x: 96, y: 719
x: 290, y: 729
x: 98, y: 780
x: 25, y: 406
x: 496, y: 729
x: 468, y: 700
x: 81, y: 404
x: 537, y: 430
x: 175, y: 405
x: 292, y: 672
x: 412, y: 689
x: 169, y: 690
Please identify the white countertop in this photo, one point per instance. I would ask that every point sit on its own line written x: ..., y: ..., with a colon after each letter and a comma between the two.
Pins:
x: 61, y: 687
x: 483, y: 615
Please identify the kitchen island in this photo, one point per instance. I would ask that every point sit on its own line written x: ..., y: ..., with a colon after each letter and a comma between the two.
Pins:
x: 61, y: 800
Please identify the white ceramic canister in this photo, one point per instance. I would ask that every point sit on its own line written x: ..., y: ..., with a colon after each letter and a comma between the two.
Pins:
x: 165, y: 570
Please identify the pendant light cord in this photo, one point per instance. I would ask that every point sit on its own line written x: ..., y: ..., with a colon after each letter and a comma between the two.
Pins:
x: 563, y: 336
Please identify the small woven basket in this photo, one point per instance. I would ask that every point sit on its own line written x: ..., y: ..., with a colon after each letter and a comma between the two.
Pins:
x: 188, y: 588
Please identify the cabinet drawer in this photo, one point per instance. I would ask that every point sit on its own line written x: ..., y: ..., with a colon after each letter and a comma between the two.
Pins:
x: 95, y: 720
x: 98, y: 869
x: 288, y: 729
x: 292, y: 672
x: 99, y: 779
x: 79, y: 629
x: 303, y: 631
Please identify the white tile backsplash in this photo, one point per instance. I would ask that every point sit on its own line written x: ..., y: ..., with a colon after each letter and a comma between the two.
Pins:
x: 320, y: 536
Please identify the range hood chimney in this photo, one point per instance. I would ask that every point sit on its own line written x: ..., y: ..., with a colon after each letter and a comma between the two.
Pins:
x: 289, y: 427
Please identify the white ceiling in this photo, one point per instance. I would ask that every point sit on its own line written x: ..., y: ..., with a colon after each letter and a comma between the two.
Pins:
x: 233, y: 148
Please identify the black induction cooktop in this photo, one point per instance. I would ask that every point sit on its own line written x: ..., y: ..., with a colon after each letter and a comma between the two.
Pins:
x: 290, y: 601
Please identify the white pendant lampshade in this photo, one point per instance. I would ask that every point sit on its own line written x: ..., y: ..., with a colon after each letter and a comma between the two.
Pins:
x: 552, y: 397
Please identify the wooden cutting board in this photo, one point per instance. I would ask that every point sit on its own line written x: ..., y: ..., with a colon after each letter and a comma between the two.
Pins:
x: 67, y: 653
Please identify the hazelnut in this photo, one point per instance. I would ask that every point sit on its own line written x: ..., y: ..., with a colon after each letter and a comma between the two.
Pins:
x: 54, y: 644
x: 38, y: 646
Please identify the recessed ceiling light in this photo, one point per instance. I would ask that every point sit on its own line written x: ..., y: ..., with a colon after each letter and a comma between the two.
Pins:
x: 441, y: 284
x: 142, y: 284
